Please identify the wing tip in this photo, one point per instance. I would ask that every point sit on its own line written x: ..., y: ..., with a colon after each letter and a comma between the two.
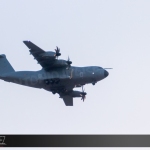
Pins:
x: 26, y: 41
x: 28, y: 44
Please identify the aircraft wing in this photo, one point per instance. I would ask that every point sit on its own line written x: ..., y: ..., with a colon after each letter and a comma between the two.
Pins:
x: 38, y: 54
x: 68, y: 100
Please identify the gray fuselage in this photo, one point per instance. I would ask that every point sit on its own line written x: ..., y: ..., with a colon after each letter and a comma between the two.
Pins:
x: 68, y: 77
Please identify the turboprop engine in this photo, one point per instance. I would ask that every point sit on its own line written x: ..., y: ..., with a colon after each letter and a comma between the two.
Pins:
x: 77, y: 94
x: 62, y: 63
x: 49, y: 54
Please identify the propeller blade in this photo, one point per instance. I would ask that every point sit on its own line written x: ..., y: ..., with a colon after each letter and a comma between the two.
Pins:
x: 83, y: 98
x: 57, y: 50
x: 69, y: 62
x: 83, y: 95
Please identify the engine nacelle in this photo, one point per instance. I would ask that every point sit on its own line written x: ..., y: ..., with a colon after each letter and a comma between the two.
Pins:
x: 60, y: 63
x: 74, y: 94
x: 49, y: 55
x: 77, y: 94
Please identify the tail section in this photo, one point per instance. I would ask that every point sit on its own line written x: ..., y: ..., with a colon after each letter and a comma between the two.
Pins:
x: 5, y: 66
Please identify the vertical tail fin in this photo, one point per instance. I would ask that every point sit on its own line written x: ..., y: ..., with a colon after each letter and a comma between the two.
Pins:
x: 5, y: 66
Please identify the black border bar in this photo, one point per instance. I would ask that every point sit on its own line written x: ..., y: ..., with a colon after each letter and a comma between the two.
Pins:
x: 74, y: 140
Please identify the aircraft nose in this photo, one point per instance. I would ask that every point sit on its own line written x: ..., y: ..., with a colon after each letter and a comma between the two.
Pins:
x: 106, y: 73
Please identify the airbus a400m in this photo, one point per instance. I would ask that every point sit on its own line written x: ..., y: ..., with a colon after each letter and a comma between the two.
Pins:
x: 57, y: 75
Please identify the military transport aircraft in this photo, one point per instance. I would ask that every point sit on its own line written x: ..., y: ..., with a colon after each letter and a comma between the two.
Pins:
x: 56, y: 75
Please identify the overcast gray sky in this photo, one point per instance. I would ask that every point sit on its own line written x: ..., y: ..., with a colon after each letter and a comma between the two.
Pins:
x: 103, y: 33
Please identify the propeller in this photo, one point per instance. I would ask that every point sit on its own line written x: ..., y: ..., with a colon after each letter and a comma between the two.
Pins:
x: 57, y: 52
x: 69, y: 62
x: 83, y: 94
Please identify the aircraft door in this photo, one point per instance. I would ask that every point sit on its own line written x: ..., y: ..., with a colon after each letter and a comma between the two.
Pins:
x: 69, y: 72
